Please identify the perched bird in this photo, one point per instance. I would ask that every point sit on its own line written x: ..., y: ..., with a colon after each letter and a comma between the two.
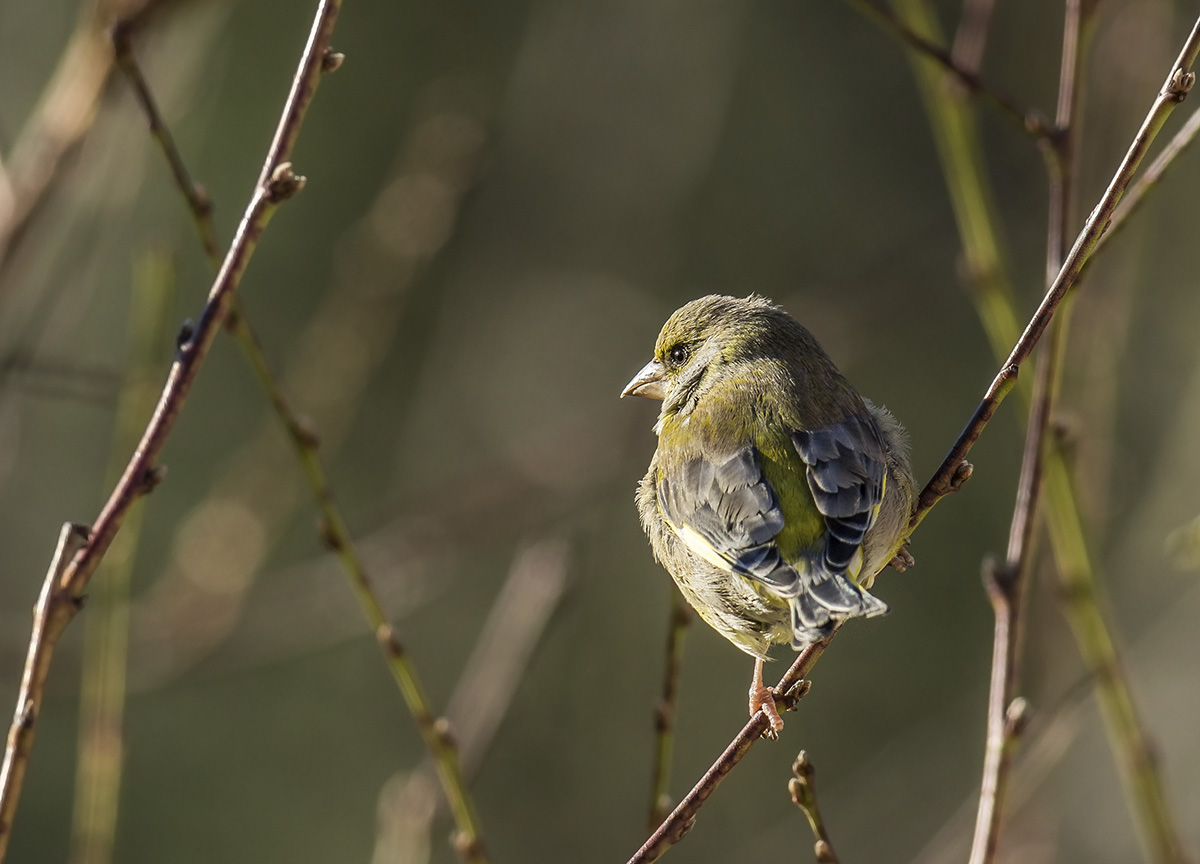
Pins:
x: 777, y: 492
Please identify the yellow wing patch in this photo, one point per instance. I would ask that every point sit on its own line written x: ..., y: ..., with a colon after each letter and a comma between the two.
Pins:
x: 700, y: 546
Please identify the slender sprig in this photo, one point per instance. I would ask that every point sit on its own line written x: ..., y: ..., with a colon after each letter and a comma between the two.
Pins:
x: 1174, y: 90
x: 803, y: 789
x: 665, y: 710
x: 1008, y: 584
x: 64, y: 113
x: 994, y: 297
x: 106, y: 640
x: 334, y: 528
x: 72, y: 568
x: 954, y: 469
x: 965, y: 75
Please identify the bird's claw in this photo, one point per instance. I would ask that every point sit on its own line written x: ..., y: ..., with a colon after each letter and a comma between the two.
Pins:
x: 903, y: 560
x: 763, y: 698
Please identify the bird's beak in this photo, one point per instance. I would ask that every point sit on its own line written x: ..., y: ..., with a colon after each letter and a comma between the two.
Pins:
x: 648, y: 382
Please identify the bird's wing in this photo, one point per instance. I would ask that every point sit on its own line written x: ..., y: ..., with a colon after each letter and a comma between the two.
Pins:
x: 725, y: 511
x: 847, y: 472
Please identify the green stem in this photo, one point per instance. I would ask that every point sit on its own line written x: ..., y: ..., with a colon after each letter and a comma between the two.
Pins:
x: 962, y: 160
x: 305, y: 445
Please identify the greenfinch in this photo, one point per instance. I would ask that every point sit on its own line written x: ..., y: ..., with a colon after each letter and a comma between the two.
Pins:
x: 777, y: 492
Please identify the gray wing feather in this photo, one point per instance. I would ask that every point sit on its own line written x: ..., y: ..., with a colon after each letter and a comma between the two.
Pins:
x: 731, y: 506
x: 846, y: 470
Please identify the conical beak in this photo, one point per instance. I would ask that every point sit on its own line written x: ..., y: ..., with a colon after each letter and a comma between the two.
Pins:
x: 648, y: 382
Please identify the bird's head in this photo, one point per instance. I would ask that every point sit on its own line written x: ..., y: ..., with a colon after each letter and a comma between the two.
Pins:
x: 703, y: 336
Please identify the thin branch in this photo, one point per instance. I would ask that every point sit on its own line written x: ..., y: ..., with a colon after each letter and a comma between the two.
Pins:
x: 954, y: 469
x: 664, y: 712
x: 106, y: 635
x: 334, y: 528
x: 64, y: 113
x: 1007, y: 585
x: 794, y: 686
x: 803, y: 790
x: 408, y: 802
x: 1148, y: 182
x: 971, y: 36
x: 276, y: 183
x: 47, y: 627
x: 199, y: 204
x: 1175, y: 89
x: 966, y: 77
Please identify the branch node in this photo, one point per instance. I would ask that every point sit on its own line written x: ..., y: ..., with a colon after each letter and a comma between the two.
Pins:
x: 961, y: 475
x: 824, y: 853
x: 331, y: 60
x: 467, y: 847
x: 331, y: 539
x: 794, y: 694
x: 445, y: 734
x: 386, y: 635
x: 1016, y: 718
x: 1180, y: 84
x: 183, y: 339
x: 150, y: 479
x: 284, y: 183
x: 1000, y: 582
x: 305, y: 432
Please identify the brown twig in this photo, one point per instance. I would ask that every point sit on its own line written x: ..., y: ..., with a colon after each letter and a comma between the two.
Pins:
x: 1174, y: 90
x: 47, y: 627
x: 1151, y: 176
x: 965, y: 76
x: 971, y: 36
x: 803, y: 790
x: 334, y: 528
x: 1007, y: 584
x: 664, y: 711
x: 276, y: 183
x: 409, y: 801
x: 954, y: 470
x: 63, y: 115
x: 794, y: 686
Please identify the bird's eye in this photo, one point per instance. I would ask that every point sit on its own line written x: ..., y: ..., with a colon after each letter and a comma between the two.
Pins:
x: 678, y: 355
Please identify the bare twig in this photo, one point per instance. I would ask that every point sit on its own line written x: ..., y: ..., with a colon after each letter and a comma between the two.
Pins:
x: 664, y: 712
x: 804, y: 795
x: 276, y: 183
x: 971, y: 36
x: 408, y: 803
x: 1007, y: 585
x: 1174, y: 90
x: 106, y: 645
x: 794, y: 686
x: 954, y: 469
x: 334, y: 527
x: 63, y: 115
x: 961, y: 156
x: 965, y: 76
x: 47, y: 627
x: 1151, y: 176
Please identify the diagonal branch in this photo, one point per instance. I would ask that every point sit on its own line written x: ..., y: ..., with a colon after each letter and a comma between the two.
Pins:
x: 950, y: 475
x: 1031, y: 121
x: 1008, y: 584
x: 276, y: 183
x: 1174, y: 90
x: 335, y: 529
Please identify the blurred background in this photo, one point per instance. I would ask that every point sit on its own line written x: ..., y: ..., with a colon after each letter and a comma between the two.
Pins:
x: 504, y: 203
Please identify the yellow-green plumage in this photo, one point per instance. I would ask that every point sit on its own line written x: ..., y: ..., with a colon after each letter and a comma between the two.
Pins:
x: 777, y: 492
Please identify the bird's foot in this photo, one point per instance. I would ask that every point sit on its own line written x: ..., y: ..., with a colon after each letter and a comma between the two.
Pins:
x: 762, y: 698
x: 903, y: 559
